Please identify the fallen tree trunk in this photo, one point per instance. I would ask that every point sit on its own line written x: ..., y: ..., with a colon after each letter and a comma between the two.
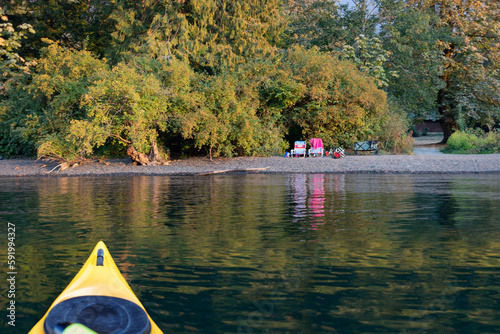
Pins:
x: 154, y: 157
x: 235, y: 170
x: 63, y: 164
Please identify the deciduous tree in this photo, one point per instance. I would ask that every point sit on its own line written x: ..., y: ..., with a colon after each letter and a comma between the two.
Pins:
x: 73, y: 24
x: 39, y: 107
x: 11, y: 38
x: 209, y: 34
x: 328, y: 98
x: 454, y: 46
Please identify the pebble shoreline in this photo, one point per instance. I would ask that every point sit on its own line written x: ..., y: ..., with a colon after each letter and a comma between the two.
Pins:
x: 400, y: 164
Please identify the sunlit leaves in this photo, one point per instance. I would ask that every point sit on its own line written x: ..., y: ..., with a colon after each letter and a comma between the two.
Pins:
x: 210, y: 35
x: 230, y: 119
x: 370, y: 57
x: 334, y: 101
x: 10, y: 41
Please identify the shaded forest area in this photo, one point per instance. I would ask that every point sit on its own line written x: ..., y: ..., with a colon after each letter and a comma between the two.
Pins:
x: 161, y: 78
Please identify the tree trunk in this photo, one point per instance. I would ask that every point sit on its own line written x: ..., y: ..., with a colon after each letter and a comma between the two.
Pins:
x: 137, y: 157
x: 155, y: 157
x: 448, y: 125
x: 445, y: 108
x: 448, y: 122
x: 152, y: 159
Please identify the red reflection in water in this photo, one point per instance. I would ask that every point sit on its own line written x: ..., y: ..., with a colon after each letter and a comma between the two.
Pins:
x: 310, y: 192
x: 317, y: 199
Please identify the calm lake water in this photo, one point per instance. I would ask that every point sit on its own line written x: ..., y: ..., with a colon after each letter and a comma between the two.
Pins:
x: 296, y: 253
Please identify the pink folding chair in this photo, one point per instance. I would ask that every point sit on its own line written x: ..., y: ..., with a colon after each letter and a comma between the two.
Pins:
x: 317, y: 149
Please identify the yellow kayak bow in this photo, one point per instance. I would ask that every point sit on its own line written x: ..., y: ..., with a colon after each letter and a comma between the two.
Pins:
x: 99, y: 298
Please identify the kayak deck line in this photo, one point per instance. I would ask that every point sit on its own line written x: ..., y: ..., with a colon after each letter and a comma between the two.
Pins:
x: 99, y: 297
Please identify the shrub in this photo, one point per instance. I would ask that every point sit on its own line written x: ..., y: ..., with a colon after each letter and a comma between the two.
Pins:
x: 327, y: 98
x: 473, y: 141
x: 38, y: 109
x: 462, y: 141
x: 122, y: 104
x: 226, y: 121
x: 74, y: 104
x: 133, y: 103
x: 393, y: 135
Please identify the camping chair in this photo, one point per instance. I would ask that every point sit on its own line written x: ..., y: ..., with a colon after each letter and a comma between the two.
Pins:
x: 299, y: 148
x: 317, y: 148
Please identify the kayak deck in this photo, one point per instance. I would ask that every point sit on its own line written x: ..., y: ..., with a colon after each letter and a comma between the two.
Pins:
x: 99, y: 293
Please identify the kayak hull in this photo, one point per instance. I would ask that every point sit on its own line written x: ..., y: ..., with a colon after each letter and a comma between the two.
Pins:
x: 103, y: 280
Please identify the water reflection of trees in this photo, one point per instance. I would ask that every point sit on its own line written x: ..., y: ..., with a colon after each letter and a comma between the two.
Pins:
x: 344, y: 247
x: 211, y: 215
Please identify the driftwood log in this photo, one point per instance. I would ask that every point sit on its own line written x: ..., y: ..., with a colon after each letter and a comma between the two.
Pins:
x: 62, y: 164
x: 154, y: 157
x: 235, y: 170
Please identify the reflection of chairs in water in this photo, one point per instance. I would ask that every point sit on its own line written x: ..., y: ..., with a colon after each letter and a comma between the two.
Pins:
x: 309, y: 198
x: 317, y: 149
x: 299, y: 184
x: 299, y: 148
x: 317, y: 200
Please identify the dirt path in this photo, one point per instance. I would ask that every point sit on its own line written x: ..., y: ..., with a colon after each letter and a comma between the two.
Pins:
x: 428, y: 145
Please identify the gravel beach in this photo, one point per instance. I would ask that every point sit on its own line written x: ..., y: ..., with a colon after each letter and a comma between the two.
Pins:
x: 427, y: 158
x: 402, y: 164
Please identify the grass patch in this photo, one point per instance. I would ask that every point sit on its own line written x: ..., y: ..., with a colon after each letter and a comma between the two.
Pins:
x: 473, y: 142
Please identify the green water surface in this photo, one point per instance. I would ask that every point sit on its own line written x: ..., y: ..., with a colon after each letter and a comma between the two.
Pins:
x: 272, y: 253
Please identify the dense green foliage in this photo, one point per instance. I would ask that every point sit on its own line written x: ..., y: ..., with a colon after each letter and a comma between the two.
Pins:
x: 74, y: 24
x: 208, y: 34
x: 10, y: 41
x: 226, y: 120
x: 413, y: 40
x: 473, y: 142
x: 332, y: 99
x: 448, y: 52
x: 228, y: 78
x: 42, y: 105
x: 370, y: 57
x: 445, y: 53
